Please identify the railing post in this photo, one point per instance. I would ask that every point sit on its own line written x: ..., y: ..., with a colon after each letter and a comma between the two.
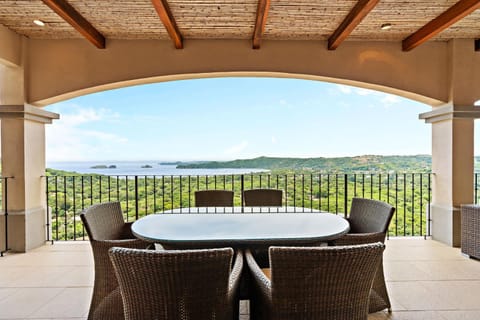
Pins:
x: 6, y: 217
x: 136, y: 197
x: 476, y: 189
x: 345, y: 195
x: 429, y: 218
x: 421, y: 208
x: 56, y: 204
x: 242, y: 188
x: 65, y: 214
x: 48, y: 224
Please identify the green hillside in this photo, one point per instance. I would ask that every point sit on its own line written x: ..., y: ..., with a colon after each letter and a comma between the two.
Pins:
x: 366, y: 163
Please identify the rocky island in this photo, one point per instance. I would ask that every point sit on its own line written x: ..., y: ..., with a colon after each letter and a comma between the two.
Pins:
x: 103, y: 166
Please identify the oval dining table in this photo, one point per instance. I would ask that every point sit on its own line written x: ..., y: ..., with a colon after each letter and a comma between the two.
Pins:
x: 240, y: 227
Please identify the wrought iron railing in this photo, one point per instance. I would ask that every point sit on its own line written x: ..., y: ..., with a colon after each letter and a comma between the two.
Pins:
x: 67, y: 196
x: 476, y: 188
x: 4, y: 209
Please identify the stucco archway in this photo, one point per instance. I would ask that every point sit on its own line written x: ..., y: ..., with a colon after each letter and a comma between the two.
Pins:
x: 380, y: 66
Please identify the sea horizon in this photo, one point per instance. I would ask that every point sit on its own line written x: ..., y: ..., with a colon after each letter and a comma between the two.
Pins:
x: 137, y: 167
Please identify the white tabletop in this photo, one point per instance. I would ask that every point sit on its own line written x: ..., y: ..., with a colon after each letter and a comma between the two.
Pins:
x: 263, y: 226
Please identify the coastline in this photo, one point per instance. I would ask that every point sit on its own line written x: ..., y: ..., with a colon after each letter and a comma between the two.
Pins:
x: 150, y: 168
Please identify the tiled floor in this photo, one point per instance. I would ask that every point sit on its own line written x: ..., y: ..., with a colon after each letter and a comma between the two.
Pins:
x: 426, y: 280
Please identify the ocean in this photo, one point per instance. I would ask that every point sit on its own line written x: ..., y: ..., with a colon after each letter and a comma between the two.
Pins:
x: 123, y: 168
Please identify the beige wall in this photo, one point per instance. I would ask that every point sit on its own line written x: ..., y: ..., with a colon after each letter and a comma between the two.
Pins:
x: 11, y: 85
x: 60, y: 69
x: 464, y: 71
x: 10, y: 47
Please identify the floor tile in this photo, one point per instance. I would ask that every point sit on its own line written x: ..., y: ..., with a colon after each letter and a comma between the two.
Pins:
x: 455, y: 295
x: 46, y: 276
x: 426, y: 280
x: 461, y: 315
x: 70, y: 302
x: 25, y: 301
x: 407, y: 315
x: 52, y: 258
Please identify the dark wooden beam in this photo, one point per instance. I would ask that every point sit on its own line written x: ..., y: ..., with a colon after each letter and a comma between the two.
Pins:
x: 351, y: 21
x: 76, y: 20
x: 163, y: 11
x: 260, y: 22
x: 458, y: 11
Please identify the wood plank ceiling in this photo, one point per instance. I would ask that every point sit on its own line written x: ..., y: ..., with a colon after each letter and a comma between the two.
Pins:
x: 412, y: 22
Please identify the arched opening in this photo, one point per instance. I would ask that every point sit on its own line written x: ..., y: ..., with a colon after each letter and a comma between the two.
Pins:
x: 339, y: 142
x: 245, y: 117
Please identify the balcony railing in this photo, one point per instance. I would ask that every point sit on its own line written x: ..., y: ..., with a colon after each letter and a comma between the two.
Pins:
x: 67, y: 196
x: 4, y: 246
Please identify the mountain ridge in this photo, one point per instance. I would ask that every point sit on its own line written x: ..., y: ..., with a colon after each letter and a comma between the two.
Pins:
x: 364, y: 163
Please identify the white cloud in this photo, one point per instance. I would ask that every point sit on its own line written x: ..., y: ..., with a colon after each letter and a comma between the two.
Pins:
x: 68, y: 140
x: 104, y: 136
x: 386, y: 99
x: 74, y: 114
x: 274, y: 139
x: 359, y: 91
x: 364, y: 92
x: 344, y: 89
x: 82, y: 116
x: 390, y: 99
x: 237, y: 148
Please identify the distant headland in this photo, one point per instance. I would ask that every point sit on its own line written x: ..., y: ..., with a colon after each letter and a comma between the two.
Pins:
x: 365, y: 163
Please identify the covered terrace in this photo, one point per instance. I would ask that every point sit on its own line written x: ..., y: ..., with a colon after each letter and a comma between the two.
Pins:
x: 52, y: 50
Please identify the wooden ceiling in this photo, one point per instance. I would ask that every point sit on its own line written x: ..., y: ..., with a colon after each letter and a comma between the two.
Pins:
x: 413, y: 22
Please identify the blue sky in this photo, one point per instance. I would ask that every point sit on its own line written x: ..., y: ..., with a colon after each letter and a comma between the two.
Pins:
x: 235, y: 118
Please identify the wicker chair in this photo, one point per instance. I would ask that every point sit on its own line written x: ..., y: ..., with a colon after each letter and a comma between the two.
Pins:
x: 178, y: 284
x: 214, y: 198
x: 369, y: 220
x: 263, y: 198
x: 471, y: 230
x: 106, y: 228
x: 315, y: 282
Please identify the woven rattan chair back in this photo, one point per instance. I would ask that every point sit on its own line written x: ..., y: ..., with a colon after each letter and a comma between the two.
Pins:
x: 214, y: 198
x: 104, y: 221
x: 177, y: 284
x: 323, y: 282
x: 368, y: 215
x: 369, y: 220
x: 263, y: 197
x: 106, y: 228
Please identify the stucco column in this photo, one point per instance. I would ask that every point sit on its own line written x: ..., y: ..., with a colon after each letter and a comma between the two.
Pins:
x: 452, y: 166
x: 23, y: 158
